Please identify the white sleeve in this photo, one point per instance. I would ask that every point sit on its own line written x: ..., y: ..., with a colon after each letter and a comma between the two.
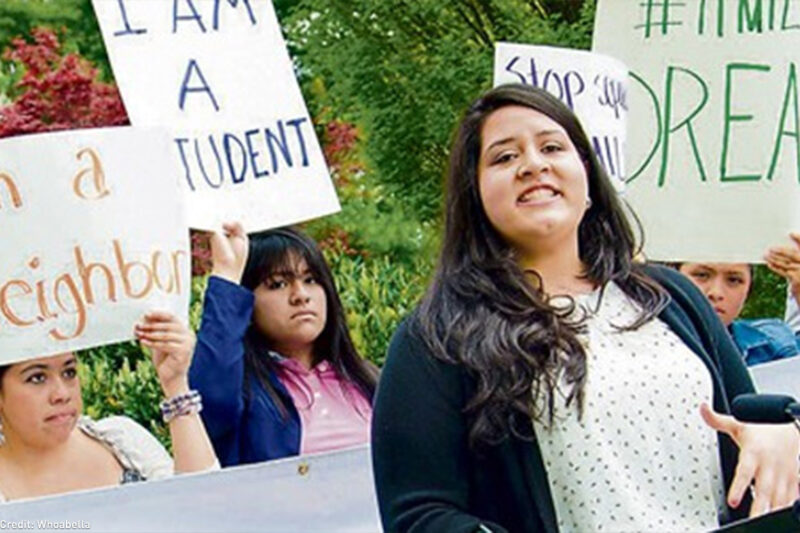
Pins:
x: 792, y: 313
x: 136, y: 447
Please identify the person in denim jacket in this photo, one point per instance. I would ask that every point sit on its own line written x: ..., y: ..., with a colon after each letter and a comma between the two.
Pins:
x: 765, y: 339
x: 727, y: 286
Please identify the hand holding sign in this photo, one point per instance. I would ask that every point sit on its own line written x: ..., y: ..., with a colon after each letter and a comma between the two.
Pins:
x: 171, y: 345
x: 785, y: 261
x: 229, y: 251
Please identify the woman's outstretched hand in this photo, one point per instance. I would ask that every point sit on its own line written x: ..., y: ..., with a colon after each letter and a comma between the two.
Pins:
x: 229, y: 250
x: 171, y: 344
x: 785, y: 261
x: 768, y: 456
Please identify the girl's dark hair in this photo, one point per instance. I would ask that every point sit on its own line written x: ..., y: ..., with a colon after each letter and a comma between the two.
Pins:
x: 482, y: 311
x: 275, y: 251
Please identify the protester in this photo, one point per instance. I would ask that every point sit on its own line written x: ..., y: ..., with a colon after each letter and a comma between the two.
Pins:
x: 274, y: 360
x: 548, y: 383
x: 727, y: 286
x: 42, y: 453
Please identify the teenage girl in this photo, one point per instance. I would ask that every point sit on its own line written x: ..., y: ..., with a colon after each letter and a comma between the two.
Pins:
x: 274, y: 361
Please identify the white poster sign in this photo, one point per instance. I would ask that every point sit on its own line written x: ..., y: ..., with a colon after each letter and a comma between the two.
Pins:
x: 93, y: 237
x: 331, y: 492
x: 714, y: 137
x: 216, y: 73
x: 594, y: 86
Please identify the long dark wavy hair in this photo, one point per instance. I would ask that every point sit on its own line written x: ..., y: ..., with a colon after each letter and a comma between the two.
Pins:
x: 483, y: 312
x: 275, y: 251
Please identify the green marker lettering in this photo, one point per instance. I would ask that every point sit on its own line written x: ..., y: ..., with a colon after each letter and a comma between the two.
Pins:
x: 652, y: 153
x: 751, y: 16
x: 730, y: 118
x: 687, y: 123
x: 784, y: 26
x: 791, y: 94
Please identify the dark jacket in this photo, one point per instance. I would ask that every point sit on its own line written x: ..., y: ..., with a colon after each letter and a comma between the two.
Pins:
x: 427, y: 477
x: 242, y: 430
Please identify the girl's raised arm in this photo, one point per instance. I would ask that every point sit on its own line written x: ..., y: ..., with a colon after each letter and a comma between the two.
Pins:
x: 229, y: 252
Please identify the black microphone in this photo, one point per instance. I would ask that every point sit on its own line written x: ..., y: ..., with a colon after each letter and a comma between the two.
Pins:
x: 765, y: 408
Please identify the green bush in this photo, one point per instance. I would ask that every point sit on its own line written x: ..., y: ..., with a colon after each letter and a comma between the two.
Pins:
x: 767, y: 295
x: 130, y: 388
x: 377, y: 294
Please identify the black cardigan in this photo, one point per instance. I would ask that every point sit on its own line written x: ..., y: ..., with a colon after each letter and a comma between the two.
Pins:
x: 427, y: 477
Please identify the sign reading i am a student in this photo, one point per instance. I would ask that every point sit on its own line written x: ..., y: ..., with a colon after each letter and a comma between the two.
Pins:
x: 217, y: 75
x: 594, y: 86
x: 714, y: 129
x: 93, y: 237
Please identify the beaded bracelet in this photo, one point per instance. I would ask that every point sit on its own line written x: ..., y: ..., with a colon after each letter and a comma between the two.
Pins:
x: 181, y: 405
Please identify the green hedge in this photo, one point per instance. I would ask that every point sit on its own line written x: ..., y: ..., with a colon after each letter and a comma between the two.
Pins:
x: 130, y: 388
x: 376, y: 294
x: 767, y: 295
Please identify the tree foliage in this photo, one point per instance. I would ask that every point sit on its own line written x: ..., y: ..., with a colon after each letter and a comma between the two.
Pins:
x: 55, y: 91
x: 404, y: 71
x: 74, y: 20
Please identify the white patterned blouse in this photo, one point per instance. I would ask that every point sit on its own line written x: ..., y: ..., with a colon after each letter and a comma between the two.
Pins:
x: 640, y: 458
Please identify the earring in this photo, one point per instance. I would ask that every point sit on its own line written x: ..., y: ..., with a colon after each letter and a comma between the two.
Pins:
x: 588, y: 203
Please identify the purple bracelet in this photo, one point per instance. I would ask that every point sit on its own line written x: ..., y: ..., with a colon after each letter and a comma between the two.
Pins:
x: 181, y: 405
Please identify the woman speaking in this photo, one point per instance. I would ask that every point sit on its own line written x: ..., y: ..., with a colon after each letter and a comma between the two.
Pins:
x: 547, y: 382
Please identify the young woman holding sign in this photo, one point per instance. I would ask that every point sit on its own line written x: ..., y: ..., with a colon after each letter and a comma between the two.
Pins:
x: 274, y: 361
x: 547, y: 382
x: 49, y: 448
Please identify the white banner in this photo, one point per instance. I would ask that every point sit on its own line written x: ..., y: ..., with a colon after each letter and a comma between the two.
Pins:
x: 332, y: 492
x: 778, y: 377
x: 93, y: 237
x: 216, y: 73
x: 714, y: 150
x: 594, y: 86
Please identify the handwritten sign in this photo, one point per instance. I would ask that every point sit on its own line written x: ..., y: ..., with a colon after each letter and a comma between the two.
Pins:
x: 714, y: 151
x: 93, y: 236
x: 216, y: 74
x: 592, y: 85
